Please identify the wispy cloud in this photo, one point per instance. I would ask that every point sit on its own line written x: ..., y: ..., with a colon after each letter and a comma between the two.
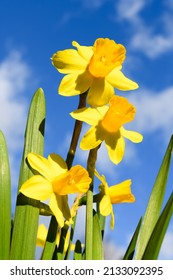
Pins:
x: 153, y: 39
x: 14, y: 78
x: 154, y: 112
x: 83, y: 6
x: 130, y: 10
x: 166, y: 252
x: 92, y: 4
x: 112, y: 251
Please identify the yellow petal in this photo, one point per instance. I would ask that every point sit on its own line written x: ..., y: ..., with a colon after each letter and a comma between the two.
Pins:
x: 105, y: 205
x: 133, y: 136
x: 121, y: 192
x: 100, y: 92
x: 84, y: 52
x: 53, y: 204
x: 42, y: 165
x: 112, y: 224
x: 41, y: 235
x: 74, y: 181
x: 101, y: 178
x: 69, y: 61
x: 90, y: 115
x: 118, y: 80
x: 91, y: 139
x: 57, y: 163
x: 37, y: 187
x: 74, y: 84
x: 116, y: 147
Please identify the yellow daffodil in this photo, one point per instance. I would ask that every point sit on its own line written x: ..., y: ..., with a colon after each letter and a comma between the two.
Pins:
x: 119, y: 193
x: 94, y: 68
x: 107, y: 125
x: 55, y: 182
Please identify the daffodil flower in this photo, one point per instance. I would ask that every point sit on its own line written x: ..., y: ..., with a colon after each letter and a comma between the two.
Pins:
x: 55, y: 182
x: 107, y: 125
x: 94, y: 68
x: 116, y: 194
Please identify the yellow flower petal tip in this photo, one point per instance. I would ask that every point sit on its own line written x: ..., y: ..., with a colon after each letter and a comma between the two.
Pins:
x: 96, y: 69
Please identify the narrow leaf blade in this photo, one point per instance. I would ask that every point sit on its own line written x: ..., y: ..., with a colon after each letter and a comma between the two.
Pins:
x: 155, y: 203
x: 131, y: 248
x: 97, y: 248
x: 153, y: 247
x: 27, y: 211
x: 5, y: 200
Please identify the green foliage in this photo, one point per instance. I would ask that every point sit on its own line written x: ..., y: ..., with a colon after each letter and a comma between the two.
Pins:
x: 27, y: 210
x: 131, y: 248
x: 148, y: 231
x: 5, y: 200
x: 154, y: 244
x: 97, y: 248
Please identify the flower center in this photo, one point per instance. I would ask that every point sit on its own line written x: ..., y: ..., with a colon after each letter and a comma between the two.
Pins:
x: 107, y: 56
x: 119, y: 113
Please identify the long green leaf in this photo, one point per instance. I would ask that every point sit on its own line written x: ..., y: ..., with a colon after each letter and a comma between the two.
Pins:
x: 131, y: 248
x: 5, y: 200
x: 50, y: 244
x: 97, y: 248
x: 155, y: 203
x: 27, y: 211
x: 153, y: 247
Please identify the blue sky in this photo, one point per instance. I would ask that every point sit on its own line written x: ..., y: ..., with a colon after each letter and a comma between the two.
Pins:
x: 31, y: 31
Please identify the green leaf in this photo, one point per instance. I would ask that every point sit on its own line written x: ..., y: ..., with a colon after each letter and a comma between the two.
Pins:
x: 5, y: 200
x: 155, y: 203
x: 154, y: 244
x: 131, y: 248
x: 50, y: 244
x: 78, y: 251
x: 27, y: 211
x: 97, y: 248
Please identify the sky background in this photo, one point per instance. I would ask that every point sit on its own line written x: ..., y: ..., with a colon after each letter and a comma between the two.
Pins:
x: 31, y: 31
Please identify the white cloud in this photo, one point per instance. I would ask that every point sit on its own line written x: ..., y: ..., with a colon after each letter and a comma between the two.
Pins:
x: 166, y: 252
x: 112, y: 251
x: 14, y: 74
x: 129, y: 10
x: 153, y: 39
x: 83, y: 7
x: 14, y: 78
x: 154, y: 112
x: 152, y: 45
x: 93, y: 4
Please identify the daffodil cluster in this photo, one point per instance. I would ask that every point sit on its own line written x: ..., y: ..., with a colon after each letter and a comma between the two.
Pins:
x: 96, y: 71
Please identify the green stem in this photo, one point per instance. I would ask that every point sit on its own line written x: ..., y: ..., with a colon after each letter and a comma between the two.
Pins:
x: 76, y: 132
x: 50, y: 247
x: 89, y: 204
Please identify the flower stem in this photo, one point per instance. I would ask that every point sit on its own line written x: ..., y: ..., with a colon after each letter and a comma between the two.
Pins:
x: 48, y: 250
x: 89, y: 204
x: 76, y: 132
